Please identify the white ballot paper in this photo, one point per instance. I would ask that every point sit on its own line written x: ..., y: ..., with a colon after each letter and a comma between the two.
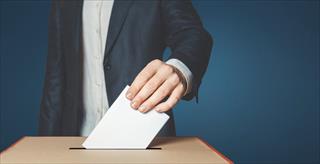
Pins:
x: 125, y: 128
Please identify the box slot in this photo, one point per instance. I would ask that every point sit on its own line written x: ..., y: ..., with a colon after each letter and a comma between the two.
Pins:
x: 82, y: 148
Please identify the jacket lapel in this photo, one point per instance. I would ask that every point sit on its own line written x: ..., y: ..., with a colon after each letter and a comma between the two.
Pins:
x: 119, y: 13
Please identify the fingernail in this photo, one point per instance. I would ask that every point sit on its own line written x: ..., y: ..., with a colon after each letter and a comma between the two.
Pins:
x: 134, y: 105
x: 129, y: 95
x: 142, y: 108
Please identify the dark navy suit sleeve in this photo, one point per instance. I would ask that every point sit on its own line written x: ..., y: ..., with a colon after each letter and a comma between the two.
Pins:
x: 187, y: 38
x: 51, y: 103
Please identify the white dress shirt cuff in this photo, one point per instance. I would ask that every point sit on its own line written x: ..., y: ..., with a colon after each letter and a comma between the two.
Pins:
x: 185, y: 72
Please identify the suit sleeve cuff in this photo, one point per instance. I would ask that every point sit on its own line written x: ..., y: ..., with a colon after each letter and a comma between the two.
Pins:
x: 187, y: 74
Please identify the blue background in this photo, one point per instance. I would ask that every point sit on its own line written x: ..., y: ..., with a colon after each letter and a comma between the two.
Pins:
x: 259, y: 100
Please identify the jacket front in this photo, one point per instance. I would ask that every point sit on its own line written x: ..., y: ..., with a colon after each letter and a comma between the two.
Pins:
x: 139, y: 31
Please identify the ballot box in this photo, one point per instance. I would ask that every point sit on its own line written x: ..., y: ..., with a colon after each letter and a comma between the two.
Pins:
x: 69, y: 150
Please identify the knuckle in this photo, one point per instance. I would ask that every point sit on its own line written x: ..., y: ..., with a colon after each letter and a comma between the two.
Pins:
x: 156, y: 62
x: 146, y: 73
x: 175, y: 79
x: 133, y: 88
x: 167, y: 68
x: 151, y: 84
x: 173, y: 82
x: 138, y: 98
x: 143, y: 96
x: 151, y: 103
x: 163, y: 92
x: 159, y: 74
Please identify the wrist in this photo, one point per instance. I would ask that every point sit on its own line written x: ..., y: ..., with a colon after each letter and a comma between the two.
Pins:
x: 184, y: 72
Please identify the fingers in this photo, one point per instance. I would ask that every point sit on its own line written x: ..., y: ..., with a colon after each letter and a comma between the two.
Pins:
x: 164, y: 72
x: 142, y: 78
x: 147, y: 90
x: 155, y: 82
x: 163, y: 91
x: 172, y: 100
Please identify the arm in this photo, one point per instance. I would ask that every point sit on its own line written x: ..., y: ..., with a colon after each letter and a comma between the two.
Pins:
x: 51, y: 103
x: 190, y: 43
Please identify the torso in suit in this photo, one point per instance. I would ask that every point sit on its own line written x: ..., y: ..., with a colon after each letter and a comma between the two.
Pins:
x: 139, y: 31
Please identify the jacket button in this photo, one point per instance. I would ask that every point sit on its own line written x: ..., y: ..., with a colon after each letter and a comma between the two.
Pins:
x: 108, y: 67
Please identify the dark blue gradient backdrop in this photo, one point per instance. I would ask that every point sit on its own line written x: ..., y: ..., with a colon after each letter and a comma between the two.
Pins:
x: 259, y: 100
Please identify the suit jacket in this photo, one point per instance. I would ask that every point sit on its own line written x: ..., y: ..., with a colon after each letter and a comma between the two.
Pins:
x: 139, y: 31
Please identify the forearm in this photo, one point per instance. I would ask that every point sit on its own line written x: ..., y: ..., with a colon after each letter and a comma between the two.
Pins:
x: 189, y: 41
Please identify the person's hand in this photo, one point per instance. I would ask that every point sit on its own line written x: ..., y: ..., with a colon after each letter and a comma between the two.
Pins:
x: 155, y: 82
